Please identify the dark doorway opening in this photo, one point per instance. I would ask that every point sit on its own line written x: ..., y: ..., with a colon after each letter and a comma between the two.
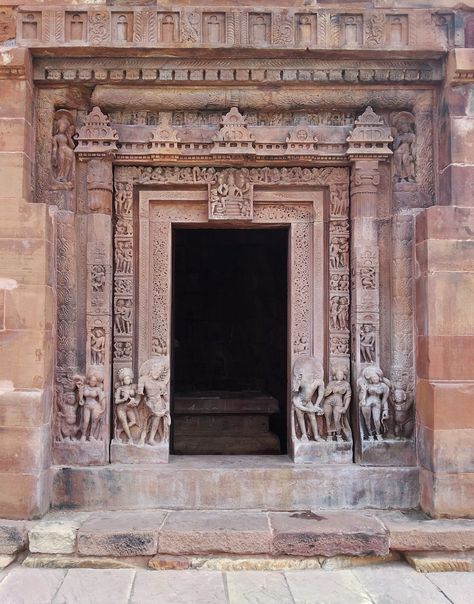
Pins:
x: 230, y: 341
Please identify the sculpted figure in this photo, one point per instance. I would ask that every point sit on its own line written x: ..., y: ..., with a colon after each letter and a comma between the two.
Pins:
x: 307, y: 385
x: 126, y: 402
x: 367, y: 343
x: 403, y: 417
x: 97, y: 345
x: 62, y: 149
x: 92, y: 400
x: 153, y: 387
x: 68, y: 407
x: 374, y: 390
x: 404, y: 147
x: 337, y: 398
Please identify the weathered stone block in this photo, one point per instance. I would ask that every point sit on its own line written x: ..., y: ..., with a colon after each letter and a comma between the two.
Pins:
x: 197, y: 532
x: 445, y: 222
x: 53, y: 537
x: 30, y: 307
x: 456, y: 184
x: 444, y: 494
x: 445, y: 405
x: 462, y: 140
x: 26, y: 408
x: 15, y: 174
x: 13, y: 536
x: 446, y: 450
x: 16, y: 134
x: 445, y: 357
x: 412, y: 534
x: 440, y: 562
x: 327, y: 534
x: 25, y: 449
x: 120, y: 534
x: 26, y: 358
x: 24, y: 495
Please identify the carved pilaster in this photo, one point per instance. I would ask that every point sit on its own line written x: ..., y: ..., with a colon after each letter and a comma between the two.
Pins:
x: 368, y: 145
x: 96, y: 144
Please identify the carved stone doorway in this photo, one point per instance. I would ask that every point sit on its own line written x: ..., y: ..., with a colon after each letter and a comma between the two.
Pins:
x: 311, y: 203
x: 229, y: 341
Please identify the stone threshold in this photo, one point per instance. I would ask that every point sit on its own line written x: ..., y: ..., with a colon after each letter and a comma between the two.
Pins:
x: 237, y: 540
x: 210, y: 482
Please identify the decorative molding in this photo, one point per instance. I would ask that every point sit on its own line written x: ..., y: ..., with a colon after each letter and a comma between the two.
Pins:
x: 144, y: 27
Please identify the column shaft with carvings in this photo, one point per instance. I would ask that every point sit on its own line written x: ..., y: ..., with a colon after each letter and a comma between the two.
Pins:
x: 368, y: 145
x: 96, y: 145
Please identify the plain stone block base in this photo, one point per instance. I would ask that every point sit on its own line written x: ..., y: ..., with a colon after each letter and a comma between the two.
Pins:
x: 322, y: 452
x: 388, y: 452
x: 131, y: 454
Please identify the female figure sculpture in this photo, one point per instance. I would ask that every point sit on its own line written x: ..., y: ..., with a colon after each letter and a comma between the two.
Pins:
x: 125, y: 403
x: 404, y: 147
x: 92, y: 399
x: 374, y: 389
x: 337, y: 398
x: 62, y: 150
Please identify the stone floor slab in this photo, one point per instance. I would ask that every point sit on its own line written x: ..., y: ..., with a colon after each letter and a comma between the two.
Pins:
x: 121, y: 534
x: 398, y: 584
x: 30, y: 586
x: 178, y: 587
x: 328, y: 534
x: 87, y: 586
x: 326, y: 587
x: 255, y: 587
x: 6, y: 560
x: 457, y: 587
x: 199, y: 532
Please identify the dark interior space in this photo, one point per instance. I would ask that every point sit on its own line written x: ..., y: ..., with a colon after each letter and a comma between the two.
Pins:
x: 230, y: 341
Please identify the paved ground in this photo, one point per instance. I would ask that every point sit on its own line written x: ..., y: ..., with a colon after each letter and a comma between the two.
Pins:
x: 387, y: 584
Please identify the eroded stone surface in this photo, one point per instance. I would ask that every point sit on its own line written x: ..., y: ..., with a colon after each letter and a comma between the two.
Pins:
x: 51, y: 537
x: 214, y: 532
x: 327, y: 534
x: 120, y: 534
x: 13, y: 536
x: 78, y: 586
x: 411, y: 534
x: 434, y: 562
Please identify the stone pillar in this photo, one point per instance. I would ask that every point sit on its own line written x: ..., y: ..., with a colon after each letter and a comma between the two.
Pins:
x: 96, y: 145
x: 367, y: 147
x: 27, y: 306
x: 444, y: 308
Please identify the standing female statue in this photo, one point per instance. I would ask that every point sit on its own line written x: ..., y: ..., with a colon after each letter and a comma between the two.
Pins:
x: 337, y: 398
x: 92, y: 399
x: 373, y: 400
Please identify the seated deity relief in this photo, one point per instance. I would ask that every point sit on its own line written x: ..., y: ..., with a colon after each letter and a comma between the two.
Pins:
x: 310, y: 398
x: 142, y: 413
x: 81, y: 408
x: 386, y: 410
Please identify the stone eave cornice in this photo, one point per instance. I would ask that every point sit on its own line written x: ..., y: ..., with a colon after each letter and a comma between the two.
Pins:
x: 239, y: 72
x: 349, y: 28
x: 460, y: 66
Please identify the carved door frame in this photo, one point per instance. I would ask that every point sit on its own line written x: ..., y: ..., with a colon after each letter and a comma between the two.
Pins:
x: 313, y: 203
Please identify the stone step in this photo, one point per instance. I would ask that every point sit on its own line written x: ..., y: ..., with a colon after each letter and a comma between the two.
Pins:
x: 234, y: 482
x: 323, y: 534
